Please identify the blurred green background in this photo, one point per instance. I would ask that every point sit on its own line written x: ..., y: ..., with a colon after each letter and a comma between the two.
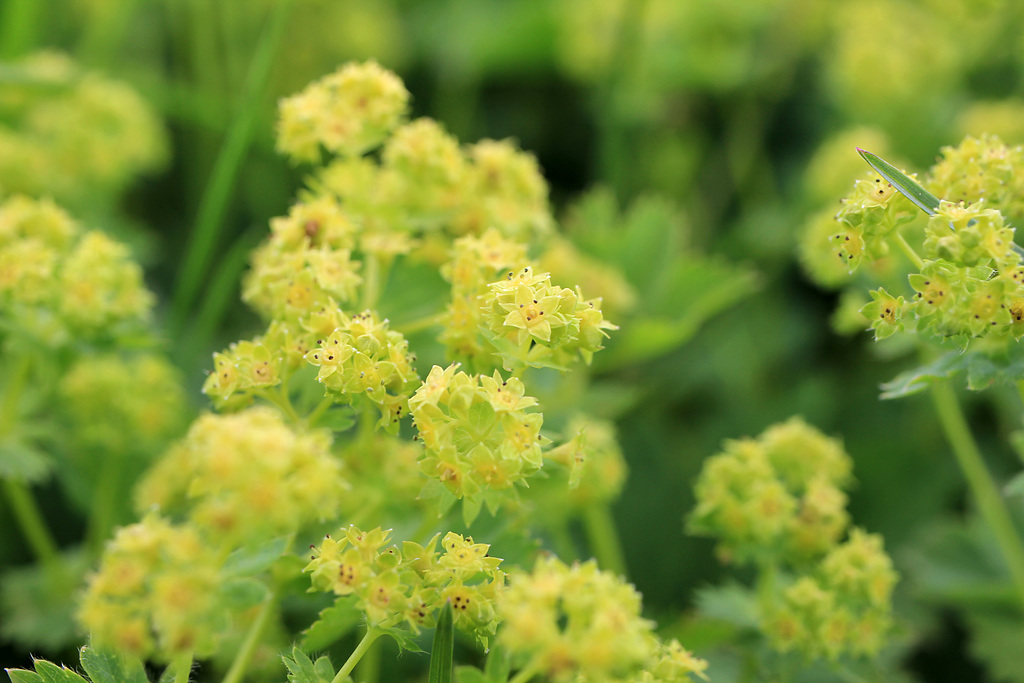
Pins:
x: 737, y: 119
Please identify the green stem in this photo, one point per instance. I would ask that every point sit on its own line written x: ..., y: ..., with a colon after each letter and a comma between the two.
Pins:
x: 104, y: 503
x: 214, y: 203
x: 421, y: 324
x: 604, y: 538
x: 372, y: 634
x: 182, y: 667
x: 252, y: 640
x: 32, y: 525
x: 369, y: 665
x: 907, y: 250
x: 371, y: 281
x: 527, y: 672
x: 986, y: 493
x: 278, y: 396
x: 767, y: 578
x: 319, y: 411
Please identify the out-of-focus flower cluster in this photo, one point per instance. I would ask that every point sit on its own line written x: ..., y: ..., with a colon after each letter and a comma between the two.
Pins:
x: 60, y: 283
x: 579, y: 623
x: 69, y: 134
x: 778, y: 501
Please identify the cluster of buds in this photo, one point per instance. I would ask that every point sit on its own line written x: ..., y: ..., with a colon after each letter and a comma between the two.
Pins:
x: 246, y: 476
x: 249, y: 367
x: 971, y: 283
x: 845, y: 607
x: 534, y: 323
x: 58, y: 282
x: 477, y: 433
x: 775, y: 498
x: 579, y: 623
x: 411, y: 584
x: 156, y: 593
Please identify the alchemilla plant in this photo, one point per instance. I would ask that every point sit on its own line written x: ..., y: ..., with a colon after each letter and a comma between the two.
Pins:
x: 416, y: 440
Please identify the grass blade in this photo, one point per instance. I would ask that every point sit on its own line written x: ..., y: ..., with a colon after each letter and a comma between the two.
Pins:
x: 441, y: 653
x: 908, y: 187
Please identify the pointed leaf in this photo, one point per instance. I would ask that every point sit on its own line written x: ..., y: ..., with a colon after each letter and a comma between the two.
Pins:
x: 442, y: 651
x: 405, y: 640
x: 253, y: 560
x: 51, y: 673
x: 21, y: 461
x: 907, y: 186
x: 23, y: 676
x: 107, y: 667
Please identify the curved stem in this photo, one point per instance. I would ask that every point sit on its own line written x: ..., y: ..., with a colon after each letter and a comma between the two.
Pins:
x: 372, y: 634
x: 986, y: 493
x: 319, y: 411
x: 527, y: 672
x: 907, y: 250
x: 252, y: 640
x: 31, y: 522
x: 604, y: 538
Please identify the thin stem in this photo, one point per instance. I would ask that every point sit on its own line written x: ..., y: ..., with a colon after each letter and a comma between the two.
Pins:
x: 369, y: 665
x: 182, y: 665
x: 31, y: 522
x: 604, y: 538
x: 986, y: 493
x: 279, y: 397
x: 252, y: 640
x: 527, y: 672
x: 372, y: 634
x: 319, y: 411
x: 371, y: 281
x: 907, y: 250
x: 420, y: 324
x: 214, y: 203
x: 104, y: 502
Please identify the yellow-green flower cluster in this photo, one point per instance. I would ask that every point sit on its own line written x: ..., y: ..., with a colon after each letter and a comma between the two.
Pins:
x: 775, y: 498
x: 123, y: 405
x: 347, y: 113
x: 410, y: 584
x: 58, y: 282
x: 477, y: 434
x: 981, y: 168
x: 475, y: 261
x: 156, y: 593
x: 363, y: 357
x: 578, y: 623
x: 866, y: 221
x: 845, y: 607
x: 246, y: 476
x: 567, y: 263
x: 307, y: 262
x: 250, y: 367
x: 534, y: 323
x: 70, y: 134
x: 971, y: 282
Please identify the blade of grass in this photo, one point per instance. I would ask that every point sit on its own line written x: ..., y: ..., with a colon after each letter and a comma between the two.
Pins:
x: 441, y: 652
x: 213, y: 205
x: 908, y: 187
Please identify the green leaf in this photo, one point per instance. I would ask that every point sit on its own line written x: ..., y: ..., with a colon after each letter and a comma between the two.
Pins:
x: 250, y: 561
x: 108, y: 667
x: 21, y: 461
x: 730, y: 603
x: 908, y: 187
x: 918, y: 379
x: 333, y: 623
x: 442, y: 651
x: 302, y: 670
x: 1015, y: 487
x: 37, y: 607
x: 241, y: 594
x: 471, y: 674
x: 51, y: 673
x: 23, y: 676
x: 996, y: 637
x: 405, y: 640
x: 338, y: 419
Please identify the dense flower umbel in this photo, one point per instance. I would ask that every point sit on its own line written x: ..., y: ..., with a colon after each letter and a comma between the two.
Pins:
x: 777, y: 497
x: 246, y: 476
x: 477, y: 433
x: 156, y: 593
x: 532, y: 322
x: 346, y: 113
x: 844, y: 607
x: 59, y: 282
x: 411, y: 583
x: 578, y: 623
